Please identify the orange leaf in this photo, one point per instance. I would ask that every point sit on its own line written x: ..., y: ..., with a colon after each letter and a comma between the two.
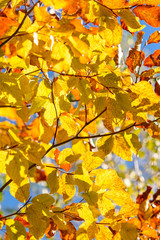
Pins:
x: 154, y: 37
x: 153, y: 59
x: 51, y: 230
x: 144, y: 196
x: 114, y: 4
x: 70, y: 233
x: 40, y: 175
x: 124, y: 26
x: 22, y: 220
x: 151, y: 15
x: 5, y: 24
x: 65, y: 166
x: 134, y: 59
x: 149, y: 232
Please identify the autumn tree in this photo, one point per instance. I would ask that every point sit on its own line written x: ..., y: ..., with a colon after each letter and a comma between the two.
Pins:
x: 67, y: 101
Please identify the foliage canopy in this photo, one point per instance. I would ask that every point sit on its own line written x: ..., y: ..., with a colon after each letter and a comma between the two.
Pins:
x: 67, y: 101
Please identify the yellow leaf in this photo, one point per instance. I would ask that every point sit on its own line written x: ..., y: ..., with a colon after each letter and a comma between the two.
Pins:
x: 43, y: 199
x: 119, y: 196
x: 108, y: 179
x: 85, y: 213
x: 90, y: 197
x: 44, y: 89
x: 3, y: 158
x: 34, y: 151
x: 69, y: 124
x: 61, y: 58
x: 133, y: 142
x: 130, y: 20
x: 129, y: 210
x: 37, y: 228
x: 49, y: 113
x: 121, y: 148
x: 66, y: 186
x: 112, y: 34
x: 114, y: 115
x: 41, y: 15
x: 129, y: 231
x: 15, y: 230
x: 1, y: 224
x: 21, y: 193
x: 10, y: 91
x: 85, y: 91
x: 91, y: 160
x: 84, y: 176
x: 53, y: 181
x: 103, y: 233
x: 105, y: 144
x: 17, y: 167
x: 46, y: 132
x: 143, y: 95
x: 37, y: 104
x: 56, y: 4
x: 79, y: 48
x: 105, y: 205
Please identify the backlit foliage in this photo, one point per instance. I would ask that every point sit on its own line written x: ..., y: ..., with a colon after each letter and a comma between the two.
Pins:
x: 66, y: 104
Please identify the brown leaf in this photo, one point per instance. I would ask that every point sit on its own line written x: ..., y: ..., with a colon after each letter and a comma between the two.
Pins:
x: 157, y: 88
x: 144, y: 195
x: 124, y: 26
x: 134, y: 59
x: 151, y: 15
x: 154, y: 37
x: 153, y: 59
x: 70, y: 233
x: 51, y: 230
x: 146, y: 75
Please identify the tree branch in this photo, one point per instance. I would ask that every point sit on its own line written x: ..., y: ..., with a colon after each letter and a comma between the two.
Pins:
x: 17, y: 212
x: 20, y: 25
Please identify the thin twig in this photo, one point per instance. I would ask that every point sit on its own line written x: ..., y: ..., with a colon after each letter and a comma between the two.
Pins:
x: 7, y: 106
x: 17, y: 212
x: 92, y: 120
x: 85, y: 114
x: 59, y: 169
x: 20, y: 25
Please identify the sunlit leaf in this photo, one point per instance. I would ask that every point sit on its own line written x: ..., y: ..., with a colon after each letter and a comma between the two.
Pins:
x: 149, y: 14
x: 15, y: 230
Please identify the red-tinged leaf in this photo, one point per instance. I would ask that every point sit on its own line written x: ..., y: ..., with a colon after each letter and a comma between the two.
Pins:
x: 124, y: 26
x: 51, y: 230
x: 154, y: 37
x: 153, y: 59
x: 5, y: 24
x: 40, y: 175
x: 10, y: 50
x: 134, y: 59
x: 151, y: 15
x: 146, y: 75
x: 65, y: 166
x: 22, y: 220
x: 157, y: 88
x: 69, y: 233
x: 139, y: 39
x: 144, y: 196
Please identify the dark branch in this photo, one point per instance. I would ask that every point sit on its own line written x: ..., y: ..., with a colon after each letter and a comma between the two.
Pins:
x: 20, y: 25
